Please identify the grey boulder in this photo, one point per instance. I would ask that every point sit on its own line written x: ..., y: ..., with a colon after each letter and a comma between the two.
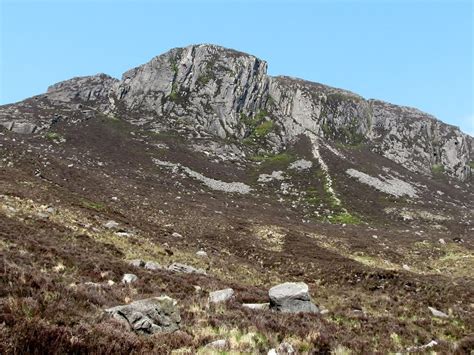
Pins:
x: 186, y: 269
x: 221, y: 295
x: 148, y: 316
x: 291, y: 297
x: 129, y: 278
x: 151, y: 265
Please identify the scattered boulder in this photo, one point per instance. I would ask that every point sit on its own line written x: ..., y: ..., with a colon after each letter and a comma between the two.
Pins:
x: 291, y: 297
x: 186, y: 269
x: 259, y: 306
x: 137, y: 263
x: 285, y: 348
x: 111, y: 225
x: 221, y: 295
x: 149, y: 316
x: 220, y: 344
x: 437, y: 313
x: 129, y: 278
x: 202, y: 254
x: 151, y: 265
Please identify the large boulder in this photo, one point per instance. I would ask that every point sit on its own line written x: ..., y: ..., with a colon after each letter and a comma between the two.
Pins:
x: 291, y: 297
x: 148, y: 316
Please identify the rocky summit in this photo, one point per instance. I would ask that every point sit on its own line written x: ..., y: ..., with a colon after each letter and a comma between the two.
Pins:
x: 278, y: 215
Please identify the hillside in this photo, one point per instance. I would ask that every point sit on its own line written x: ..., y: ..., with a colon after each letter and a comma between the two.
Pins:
x: 200, y: 158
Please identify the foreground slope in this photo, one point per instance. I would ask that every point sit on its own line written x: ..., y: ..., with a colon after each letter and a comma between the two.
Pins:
x: 277, y: 179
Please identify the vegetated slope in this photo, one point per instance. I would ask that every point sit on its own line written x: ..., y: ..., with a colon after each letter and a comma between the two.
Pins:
x: 276, y: 179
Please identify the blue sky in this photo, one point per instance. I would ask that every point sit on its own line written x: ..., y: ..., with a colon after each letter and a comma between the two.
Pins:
x: 414, y: 53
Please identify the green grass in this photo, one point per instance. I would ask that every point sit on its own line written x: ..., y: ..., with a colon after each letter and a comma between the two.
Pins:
x: 263, y: 129
x: 471, y: 164
x: 97, y: 206
x: 53, y: 136
x: 437, y: 169
x: 345, y: 218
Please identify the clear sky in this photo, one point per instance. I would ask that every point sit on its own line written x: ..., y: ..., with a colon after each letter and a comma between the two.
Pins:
x: 408, y: 52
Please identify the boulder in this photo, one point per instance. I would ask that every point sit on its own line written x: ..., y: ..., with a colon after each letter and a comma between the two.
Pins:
x: 220, y: 344
x: 148, y: 316
x: 129, y: 278
x: 437, y: 313
x: 186, y: 269
x: 151, y: 265
x: 260, y: 306
x: 111, y: 225
x: 137, y: 263
x: 201, y: 253
x: 221, y: 295
x: 291, y: 297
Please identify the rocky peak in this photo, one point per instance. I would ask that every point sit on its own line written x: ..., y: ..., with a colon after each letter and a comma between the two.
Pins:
x: 210, y: 90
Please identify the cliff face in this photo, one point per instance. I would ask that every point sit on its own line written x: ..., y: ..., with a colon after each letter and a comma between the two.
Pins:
x: 210, y: 90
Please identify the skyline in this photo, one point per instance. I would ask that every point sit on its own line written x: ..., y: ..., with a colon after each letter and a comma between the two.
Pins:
x: 412, y: 54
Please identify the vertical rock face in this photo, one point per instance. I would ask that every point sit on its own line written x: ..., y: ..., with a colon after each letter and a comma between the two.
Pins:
x: 207, y: 85
x: 211, y: 90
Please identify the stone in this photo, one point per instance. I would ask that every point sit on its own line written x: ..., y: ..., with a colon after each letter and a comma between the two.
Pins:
x: 129, y: 278
x: 221, y: 295
x: 291, y: 297
x: 176, y: 235
x: 259, y: 306
x: 149, y: 316
x: 285, y: 349
x: 201, y: 253
x: 111, y: 225
x: 186, y: 269
x: 151, y: 265
x: 137, y: 263
x: 437, y: 313
x: 420, y: 348
x: 442, y: 241
x: 220, y: 344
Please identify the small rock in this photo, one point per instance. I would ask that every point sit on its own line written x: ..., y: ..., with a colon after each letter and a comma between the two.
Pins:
x: 149, y: 316
x: 50, y: 210
x: 129, y: 278
x: 111, y: 225
x: 221, y: 295
x: 151, y: 265
x: 186, y: 269
x: 442, y: 241
x: 202, y: 254
x: 176, y: 235
x: 437, y: 313
x: 259, y: 306
x: 406, y: 267
x: 137, y: 263
x: 291, y: 297
x: 272, y: 352
x: 220, y: 344
x: 92, y: 284
x: 285, y: 349
x: 110, y: 282
x: 422, y: 347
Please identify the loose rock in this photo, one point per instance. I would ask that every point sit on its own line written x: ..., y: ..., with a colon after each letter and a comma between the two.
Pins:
x: 178, y: 267
x: 221, y: 295
x: 260, y: 306
x: 151, y: 265
x: 149, y: 316
x: 291, y: 297
x: 129, y: 278
x: 220, y: 344
x: 437, y: 313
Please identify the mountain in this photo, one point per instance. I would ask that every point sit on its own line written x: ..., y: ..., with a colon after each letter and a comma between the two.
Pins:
x: 198, y: 171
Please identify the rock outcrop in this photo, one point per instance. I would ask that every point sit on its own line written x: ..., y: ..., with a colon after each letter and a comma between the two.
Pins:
x: 207, y: 90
